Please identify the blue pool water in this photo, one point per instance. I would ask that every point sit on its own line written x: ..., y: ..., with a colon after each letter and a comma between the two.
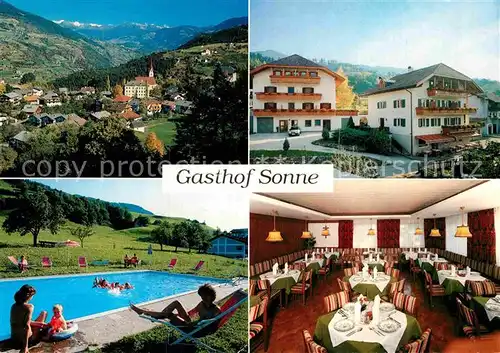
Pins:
x: 79, y: 299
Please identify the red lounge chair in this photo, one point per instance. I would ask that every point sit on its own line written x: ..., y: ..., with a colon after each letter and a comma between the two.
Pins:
x: 13, y: 261
x: 82, y: 262
x: 46, y: 262
x: 198, y: 266
x: 172, y: 264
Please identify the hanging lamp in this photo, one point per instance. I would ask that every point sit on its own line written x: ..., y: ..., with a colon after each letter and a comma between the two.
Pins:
x: 418, y: 230
x: 306, y: 234
x: 371, y: 231
x: 463, y: 230
x: 434, y: 231
x: 325, y: 232
x: 274, y: 235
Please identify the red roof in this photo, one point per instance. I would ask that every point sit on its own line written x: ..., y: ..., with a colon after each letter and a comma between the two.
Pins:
x: 150, y: 80
x: 130, y: 115
x: 31, y: 98
x: 122, y: 99
x: 436, y: 138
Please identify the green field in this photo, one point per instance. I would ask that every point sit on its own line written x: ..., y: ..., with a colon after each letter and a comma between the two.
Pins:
x: 163, y: 128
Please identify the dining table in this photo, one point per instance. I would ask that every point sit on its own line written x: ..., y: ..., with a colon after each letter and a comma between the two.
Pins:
x: 428, y: 264
x: 338, y: 332
x: 456, y: 283
x: 369, y: 286
x: 487, y: 310
x: 312, y: 264
x: 282, y: 281
x: 374, y: 263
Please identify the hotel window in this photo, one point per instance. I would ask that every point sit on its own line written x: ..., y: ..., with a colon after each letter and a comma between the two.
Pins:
x: 269, y: 105
x: 308, y: 106
x: 317, y: 122
x: 399, y: 103
x: 308, y: 123
x: 325, y: 106
x: 308, y: 90
x: 291, y: 89
x: 277, y: 73
x: 302, y: 73
x: 288, y: 73
x: 270, y: 89
x: 313, y: 74
x: 435, y: 122
x: 421, y: 122
x: 291, y: 105
x: 400, y: 122
x: 381, y: 105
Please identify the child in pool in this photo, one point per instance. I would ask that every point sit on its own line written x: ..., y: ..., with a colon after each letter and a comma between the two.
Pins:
x: 57, y: 323
x: 128, y: 286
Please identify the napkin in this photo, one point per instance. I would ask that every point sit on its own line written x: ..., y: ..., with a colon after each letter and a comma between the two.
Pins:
x: 375, y: 272
x: 436, y: 257
x: 275, y: 269
x: 376, y: 310
x: 312, y: 255
x: 378, y: 257
x: 365, y: 271
x: 428, y: 256
x: 370, y: 257
x: 467, y: 271
x: 286, y: 268
x: 357, y: 312
x: 425, y: 249
x: 453, y: 269
x: 306, y: 257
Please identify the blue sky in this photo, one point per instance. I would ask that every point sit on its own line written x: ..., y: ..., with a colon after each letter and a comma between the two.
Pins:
x: 227, y: 211
x: 161, y: 12
x: 462, y: 34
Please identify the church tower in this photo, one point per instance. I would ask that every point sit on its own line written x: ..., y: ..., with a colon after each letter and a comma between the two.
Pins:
x: 151, y: 71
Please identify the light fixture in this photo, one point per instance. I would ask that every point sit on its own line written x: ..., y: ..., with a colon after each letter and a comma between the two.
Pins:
x: 371, y: 231
x: 463, y: 230
x: 418, y: 230
x: 325, y: 232
x: 434, y: 231
x: 274, y: 235
x: 306, y: 234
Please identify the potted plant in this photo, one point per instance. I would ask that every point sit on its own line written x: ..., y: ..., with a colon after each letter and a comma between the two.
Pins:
x: 310, y: 243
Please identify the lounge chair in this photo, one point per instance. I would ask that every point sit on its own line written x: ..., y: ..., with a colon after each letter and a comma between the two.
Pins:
x: 82, y: 262
x: 228, y: 306
x: 13, y: 262
x: 198, y: 266
x: 172, y: 264
x: 46, y: 262
x: 100, y: 263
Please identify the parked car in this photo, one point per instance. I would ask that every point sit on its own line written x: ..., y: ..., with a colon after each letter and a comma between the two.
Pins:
x: 294, y: 131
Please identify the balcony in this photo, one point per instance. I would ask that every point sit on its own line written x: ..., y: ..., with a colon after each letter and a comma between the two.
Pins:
x: 289, y: 96
x: 446, y: 92
x: 304, y: 112
x: 444, y: 111
x: 460, y: 130
x: 294, y: 79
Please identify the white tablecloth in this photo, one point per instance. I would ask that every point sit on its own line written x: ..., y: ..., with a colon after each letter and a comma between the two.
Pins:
x: 269, y: 276
x: 444, y: 274
x: 389, y: 341
x: 310, y: 261
x: 410, y: 255
x: 358, y: 278
x: 373, y: 262
x: 330, y: 254
x: 431, y: 261
x: 492, y: 314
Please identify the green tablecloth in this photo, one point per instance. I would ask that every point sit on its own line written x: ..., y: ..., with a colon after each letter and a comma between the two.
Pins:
x: 254, y: 300
x: 402, y: 259
x: 430, y: 270
x: 322, y: 337
x: 370, y: 290
x: 285, y: 283
x: 315, y: 266
x: 380, y: 267
x: 478, y: 303
x: 452, y: 286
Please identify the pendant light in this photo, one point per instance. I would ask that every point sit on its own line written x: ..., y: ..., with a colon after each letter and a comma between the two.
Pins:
x: 434, y: 231
x: 306, y: 234
x: 463, y: 230
x: 371, y: 231
x: 418, y: 230
x: 274, y: 235
x: 325, y: 232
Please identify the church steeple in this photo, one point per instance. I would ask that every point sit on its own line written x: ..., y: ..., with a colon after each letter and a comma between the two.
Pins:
x: 151, y: 71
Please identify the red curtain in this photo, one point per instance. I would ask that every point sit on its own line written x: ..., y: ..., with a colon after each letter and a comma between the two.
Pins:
x: 346, y: 231
x: 481, y: 246
x: 435, y: 242
x: 388, y: 233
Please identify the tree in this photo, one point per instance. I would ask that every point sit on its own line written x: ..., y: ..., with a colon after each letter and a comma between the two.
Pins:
x: 286, y: 145
x: 2, y: 88
x: 28, y: 77
x: 154, y: 145
x: 7, y: 158
x: 163, y: 234
x: 350, y: 123
x: 108, y: 84
x: 179, y: 238
x: 117, y: 91
x: 141, y: 221
x: 345, y: 95
x: 82, y: 232
x: 34, y: 214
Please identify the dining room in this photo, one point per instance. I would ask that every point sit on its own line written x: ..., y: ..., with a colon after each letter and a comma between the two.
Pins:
x: 376, y: 266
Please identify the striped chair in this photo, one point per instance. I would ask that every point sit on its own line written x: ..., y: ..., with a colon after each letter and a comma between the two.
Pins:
x: 406, y: 303
x: 469, y: 321
x: 434, y: 290
x: 395, y: 273
x: 325, y: 270
x: 302, y: 287
x: 348, y: 272
x: 257, y: 319
x: 422, y: 345
x: 346, y: 287
x: 265, y: 285
x: 441, y: 266
x: 396, y: 287
x: 414, y: 269
x: 311, y: 346
x: 336, y: 301
x: 388, y: 271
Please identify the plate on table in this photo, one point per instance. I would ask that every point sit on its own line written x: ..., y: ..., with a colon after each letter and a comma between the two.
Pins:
x: 343, y: 325
x: 379, y: 279
x: 387, y: 307
x: 473, y: 273
x: 349, y: 307
x: 492, y: 307
x: 388, y: 326
x: 269, y: 276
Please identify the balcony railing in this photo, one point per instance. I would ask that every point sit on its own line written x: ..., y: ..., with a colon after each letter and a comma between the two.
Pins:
x: 444, y: 111
x: 445, y: 92
x: 294, y: 79
x: 461, y: 129
x: 302, y: 112
x: 288, y: 96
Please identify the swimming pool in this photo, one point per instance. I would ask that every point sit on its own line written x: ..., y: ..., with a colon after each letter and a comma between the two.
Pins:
x: 79, y: 299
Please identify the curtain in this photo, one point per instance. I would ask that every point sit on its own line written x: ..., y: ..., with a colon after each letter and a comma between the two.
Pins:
x: 388, y: 233
x: 482, y: 246
x: 435, y: 242
x: 346, y: 231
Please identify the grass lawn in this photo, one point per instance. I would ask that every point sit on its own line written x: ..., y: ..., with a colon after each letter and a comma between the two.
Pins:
x: 163, y: 128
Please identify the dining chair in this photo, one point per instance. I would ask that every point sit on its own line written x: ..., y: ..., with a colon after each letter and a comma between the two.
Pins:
x: 395, y: 273
x: 346, y: 286
x: 311, y: 346
x: 336, y: 301
x: 395, y: 287
x: 304, y: 286
x: 433, y: 289
x: 388, y: 271
x: 325, y: 270
x: 406, y: 303
x: 265, y: 285
x: 421, y: 345
x: 441, y: 266
x: 469, y: 322
x: 414, y: 269
x: 257, y: 318
x: 348, y: 272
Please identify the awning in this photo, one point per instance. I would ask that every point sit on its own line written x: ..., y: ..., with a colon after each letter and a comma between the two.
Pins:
x: 435, y: 138
x: 466, y: 134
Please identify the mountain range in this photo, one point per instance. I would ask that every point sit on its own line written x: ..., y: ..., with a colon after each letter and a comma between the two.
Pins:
x: 133, y: 208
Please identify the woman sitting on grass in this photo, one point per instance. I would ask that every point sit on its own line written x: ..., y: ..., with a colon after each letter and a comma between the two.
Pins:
x: 23, y: 330
x: 206, y: 309
x: 23, y: 264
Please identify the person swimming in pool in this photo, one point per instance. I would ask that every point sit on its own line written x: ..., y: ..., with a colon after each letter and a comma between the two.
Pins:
x: 128, y: 286
x: 178, y: 315
x: 25, y: 331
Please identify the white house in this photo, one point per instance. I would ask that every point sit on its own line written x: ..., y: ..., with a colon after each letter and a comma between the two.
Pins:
x: 492, y: 120
x: 295, y: 91
x: 425, y: 110
x: 229, y: 246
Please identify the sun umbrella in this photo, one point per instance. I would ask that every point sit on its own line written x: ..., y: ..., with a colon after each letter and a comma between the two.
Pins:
x: 68, y: 244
